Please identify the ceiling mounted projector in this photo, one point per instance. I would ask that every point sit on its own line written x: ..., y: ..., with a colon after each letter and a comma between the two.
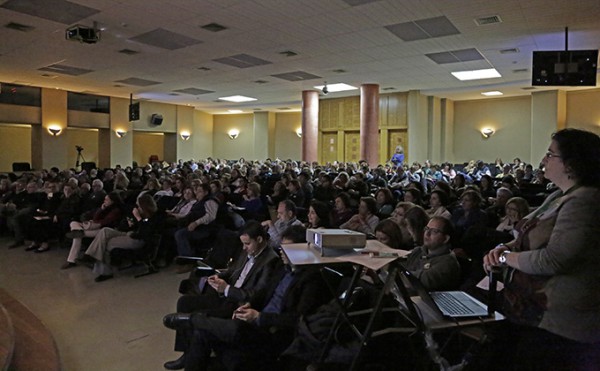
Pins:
x: 88, y: 35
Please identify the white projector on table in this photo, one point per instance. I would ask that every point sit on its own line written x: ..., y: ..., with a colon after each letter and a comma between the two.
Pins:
x: 334, y: 242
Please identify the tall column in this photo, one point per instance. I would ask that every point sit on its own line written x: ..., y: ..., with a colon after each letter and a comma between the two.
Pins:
x: 369, y: 124
x: 310, y: 125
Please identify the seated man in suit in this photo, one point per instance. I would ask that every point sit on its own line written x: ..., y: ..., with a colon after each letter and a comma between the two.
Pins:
x: 259, y: 330
x: 251, y: 271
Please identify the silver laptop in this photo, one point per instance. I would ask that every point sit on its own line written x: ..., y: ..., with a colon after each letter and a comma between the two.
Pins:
x: 458, y: 304
x: 452, y: 304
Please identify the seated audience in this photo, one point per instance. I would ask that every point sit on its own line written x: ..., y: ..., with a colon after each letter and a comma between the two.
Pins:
x: 318, y: 215
x: 108, y: 215
x: 342, y: 211
x: 416, y: 220
x: 260, y: 329
x: 469, y: 214
x: 366, y: 220
x: 286, y: 217
x: 385, y: 203
x: 221, y: 293
x: 144, y: 224
x: 388, y: 233
x: 434, y: 263
x: 438, y: 200
x: 516, y: 209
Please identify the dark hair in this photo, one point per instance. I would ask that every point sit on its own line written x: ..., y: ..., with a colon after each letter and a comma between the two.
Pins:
x: 205, y: 187
x: 474, y: 195
x: 392, y: 230
x: 294, y: 233
x: 254, y: 229
x: 580, y: 152
x: 448, y: 227
x: 389, y: 198
x: 115, y: 197
x: 147, y: 205
x: 417, y: 195
x: 371, y: 204
x: 444, y: 186
x: 443, y: 196
x: 289, y: 206
x: 416, y: 219
x: 345, y: 197
x: 322, y: 211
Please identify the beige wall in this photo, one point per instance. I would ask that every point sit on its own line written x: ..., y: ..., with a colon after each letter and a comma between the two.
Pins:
x: 86, y: 138
x: 168, y: 111
x: 88, y: 119
x: 287, y: 143
x: 231, y: 149
x: 583, y: 110
x: 115, y: 150
x: 49, y: 150
x: 15, y: 145
x: 509, y: 117
x: 147, y: 144
x: 202, y: 135
x: 10, y: 113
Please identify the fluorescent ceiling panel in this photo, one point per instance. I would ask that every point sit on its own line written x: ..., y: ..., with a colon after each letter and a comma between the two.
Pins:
x: 489, y: 73
x: 238, y: 99
x: 492, y: 93
x: 333, y: 88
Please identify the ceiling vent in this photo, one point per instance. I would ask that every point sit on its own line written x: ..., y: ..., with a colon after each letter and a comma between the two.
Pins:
x: 484, y: 21
x: 19, y: 27
x: 389, y: 88
x: 261, y: 81
x: 340, y: 71
x: 528, y: 88
x: 520, y: 70
x: 509, y: 51
x: 204, y: 68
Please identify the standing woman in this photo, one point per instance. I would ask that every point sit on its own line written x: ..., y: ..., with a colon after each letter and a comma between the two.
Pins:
x: 144, y: 224
x: 551, y: 269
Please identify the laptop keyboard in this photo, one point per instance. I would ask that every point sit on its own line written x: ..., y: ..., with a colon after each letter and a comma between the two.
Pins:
x: 450, y: 304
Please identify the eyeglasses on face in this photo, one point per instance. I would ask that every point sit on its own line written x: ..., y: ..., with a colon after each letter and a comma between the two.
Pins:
x: 432, y: 230
x: 550, y: 155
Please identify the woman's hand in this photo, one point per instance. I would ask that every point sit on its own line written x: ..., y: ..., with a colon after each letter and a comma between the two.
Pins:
x: 492, y: 259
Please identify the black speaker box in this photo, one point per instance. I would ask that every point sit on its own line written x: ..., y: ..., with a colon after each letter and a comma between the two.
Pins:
x: 134, y: 111
x: 156, y: 119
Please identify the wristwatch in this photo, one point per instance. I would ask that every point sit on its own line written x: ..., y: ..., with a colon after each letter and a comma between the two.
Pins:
x: 502, y: 258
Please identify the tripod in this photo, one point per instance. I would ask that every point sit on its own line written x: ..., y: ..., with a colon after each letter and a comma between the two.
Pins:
x: 79, y: 157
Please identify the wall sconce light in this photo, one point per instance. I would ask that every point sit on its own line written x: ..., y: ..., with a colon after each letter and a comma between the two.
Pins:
x: 299, y: 132
x: 120, y: 133
x: 487, y: 132
x: 233, y: 133
x: 54, y: 130
x: 185, y: 135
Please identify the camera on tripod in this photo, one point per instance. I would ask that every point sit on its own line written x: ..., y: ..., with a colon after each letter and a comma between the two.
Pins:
x: 79, y: 148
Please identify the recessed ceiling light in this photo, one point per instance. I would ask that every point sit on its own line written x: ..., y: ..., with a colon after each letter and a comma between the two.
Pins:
x: 489, y: 73
x: 238, y: 99
x: 492, y: 93
x: 235, y: 111
x: 337, y: 87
